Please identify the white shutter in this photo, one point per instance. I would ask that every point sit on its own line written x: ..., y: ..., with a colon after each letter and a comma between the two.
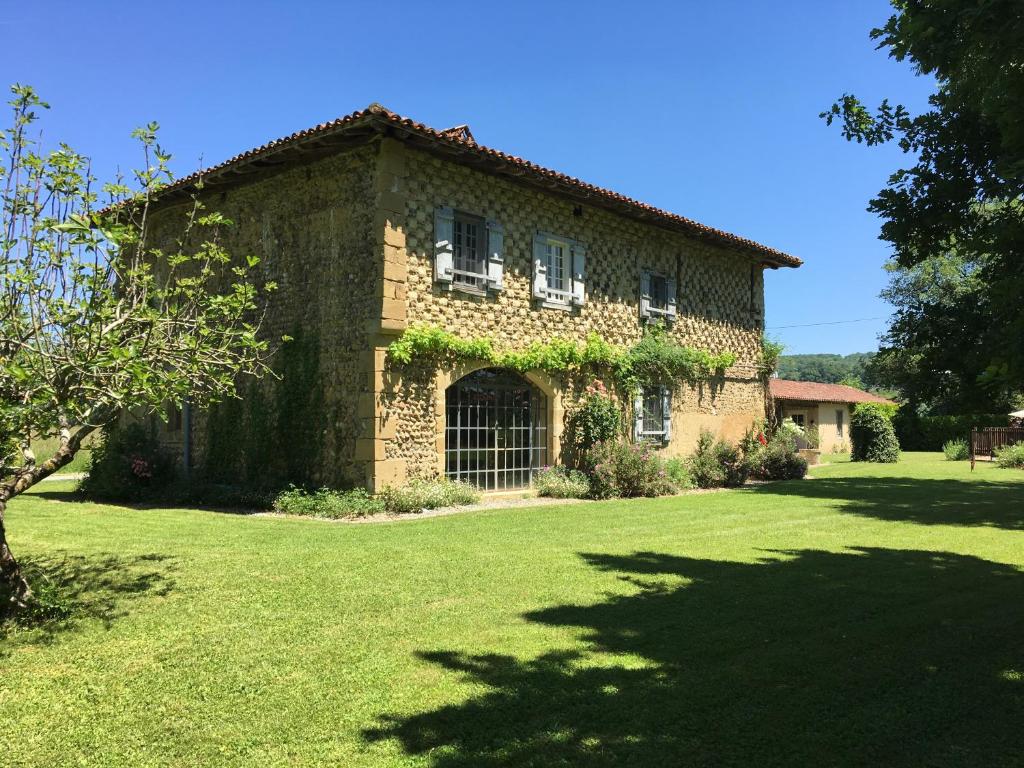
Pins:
x: 444, y: 226
x: 645, y: 293
x: 666, y: 413
x: 670, y: 289
x: 638, y: 417
x: 495, y: 255
x: 579, y: 274
x: 540, y: 269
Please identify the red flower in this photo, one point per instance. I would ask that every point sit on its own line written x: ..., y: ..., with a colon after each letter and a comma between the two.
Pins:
x: 761, y: 438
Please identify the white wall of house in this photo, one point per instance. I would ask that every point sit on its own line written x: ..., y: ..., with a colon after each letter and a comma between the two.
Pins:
x: 831, y: 419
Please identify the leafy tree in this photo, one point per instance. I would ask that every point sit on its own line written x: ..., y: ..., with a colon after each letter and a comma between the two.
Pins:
x: 95, y: 319
x: 958, y: 207
x: 824, y: 368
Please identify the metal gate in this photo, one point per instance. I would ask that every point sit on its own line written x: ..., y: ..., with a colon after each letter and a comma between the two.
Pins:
x: 495, y: 430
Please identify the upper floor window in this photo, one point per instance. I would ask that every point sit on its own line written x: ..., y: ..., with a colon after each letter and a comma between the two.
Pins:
x: 653, y: 415
x: 657, y: 296
x: 559, y: 270
x: 468, y: 251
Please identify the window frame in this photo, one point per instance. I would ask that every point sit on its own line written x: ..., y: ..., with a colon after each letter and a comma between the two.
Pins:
x: 661, y: 415
x: 563, y: 298
x: 461, y: 277
x: 668, y: 312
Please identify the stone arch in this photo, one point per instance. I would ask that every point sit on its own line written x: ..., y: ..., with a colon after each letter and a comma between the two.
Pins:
x: 549, y: 387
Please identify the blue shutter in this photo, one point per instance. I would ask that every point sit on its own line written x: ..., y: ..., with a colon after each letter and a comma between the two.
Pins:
x: 444, y: 234
x: 670, y: 289
x: 540, y: 269
x: 638, y: 417
x: 495, y: 255
x: 645, y: 293
x: 666, y: 413
x: 579, y: 274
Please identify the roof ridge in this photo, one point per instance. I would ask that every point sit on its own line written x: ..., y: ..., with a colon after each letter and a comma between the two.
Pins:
x: 464, y: 139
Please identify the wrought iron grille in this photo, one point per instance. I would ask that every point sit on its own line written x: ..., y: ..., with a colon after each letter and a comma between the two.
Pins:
x: 495, y: 430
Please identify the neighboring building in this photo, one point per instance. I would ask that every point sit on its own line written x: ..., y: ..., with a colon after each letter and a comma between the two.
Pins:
x: 373, y: 223
x: 825, y: 406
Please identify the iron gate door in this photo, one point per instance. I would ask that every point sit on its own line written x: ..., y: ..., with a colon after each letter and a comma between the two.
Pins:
x: 495, y: 430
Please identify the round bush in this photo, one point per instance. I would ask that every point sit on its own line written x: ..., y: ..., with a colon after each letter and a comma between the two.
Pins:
x: 873, y: 436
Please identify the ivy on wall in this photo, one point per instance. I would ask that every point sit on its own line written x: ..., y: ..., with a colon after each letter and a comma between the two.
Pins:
x: 655, y: 359
x: 272, y: 435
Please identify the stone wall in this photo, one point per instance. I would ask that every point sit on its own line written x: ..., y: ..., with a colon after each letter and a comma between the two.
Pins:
x: 720, y: 298
x: 312, y: 227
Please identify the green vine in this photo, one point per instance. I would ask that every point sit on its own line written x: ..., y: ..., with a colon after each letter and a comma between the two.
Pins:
x: 655, y: 359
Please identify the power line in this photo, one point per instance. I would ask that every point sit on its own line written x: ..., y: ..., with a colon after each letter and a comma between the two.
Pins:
x: 833, y: 322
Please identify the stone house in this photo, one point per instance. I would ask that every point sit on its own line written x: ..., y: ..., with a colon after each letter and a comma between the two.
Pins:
x: 373, y: 223
x: 826, y: 407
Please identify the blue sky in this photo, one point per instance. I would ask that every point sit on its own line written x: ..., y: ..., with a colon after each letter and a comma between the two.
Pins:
x: 709, y: 110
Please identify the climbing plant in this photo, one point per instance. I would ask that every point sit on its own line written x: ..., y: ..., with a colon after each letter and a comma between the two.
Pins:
x: 655, y: 359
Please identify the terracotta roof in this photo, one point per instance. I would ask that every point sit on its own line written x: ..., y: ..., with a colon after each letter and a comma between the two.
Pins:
x: 815, y: 392
x: 459, y: 141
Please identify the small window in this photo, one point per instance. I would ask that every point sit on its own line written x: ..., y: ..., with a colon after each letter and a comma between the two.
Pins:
x: 839, y: 423
x: 469, y: 251
x: 659, y: 293
x: 657, y: 296
x: 559, y: 271
x: 798, y: 419
x: 653, y: 408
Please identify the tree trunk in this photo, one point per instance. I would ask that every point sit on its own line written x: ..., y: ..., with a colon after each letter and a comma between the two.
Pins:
x: 15, y: 593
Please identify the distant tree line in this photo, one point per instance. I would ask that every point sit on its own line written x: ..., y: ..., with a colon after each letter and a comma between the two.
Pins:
x: 849, y: 369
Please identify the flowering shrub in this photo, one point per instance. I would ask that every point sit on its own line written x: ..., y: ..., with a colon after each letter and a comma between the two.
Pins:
x: 621, y: 468
x: 562, y: 483
x: 717, y: 464
x: 597, y: 419
x: 417, y: 495
x: 1010, y: 456
x: 129, y: 465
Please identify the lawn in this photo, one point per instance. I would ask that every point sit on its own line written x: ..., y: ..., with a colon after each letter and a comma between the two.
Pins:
x: 872, y: 615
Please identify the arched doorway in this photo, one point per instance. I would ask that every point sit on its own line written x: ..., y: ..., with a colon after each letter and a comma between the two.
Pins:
x: 495, y: 434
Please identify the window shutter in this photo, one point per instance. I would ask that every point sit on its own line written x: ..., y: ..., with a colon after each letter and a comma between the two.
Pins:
x: 579, y: 274
x: 638, y: 417
x: 670, y: 289
x: 666, y: 413
x: 540, y: 269
x: 645, y: 293
x: 495, y: 255
x: 444, y: 226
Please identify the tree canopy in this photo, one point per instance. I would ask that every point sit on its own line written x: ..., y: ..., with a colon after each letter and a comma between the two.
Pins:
x: 955, y: 216
x: 97, y: 319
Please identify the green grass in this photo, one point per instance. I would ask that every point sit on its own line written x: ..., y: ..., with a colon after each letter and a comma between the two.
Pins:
x: 44, y: 448
x: 871, y: 615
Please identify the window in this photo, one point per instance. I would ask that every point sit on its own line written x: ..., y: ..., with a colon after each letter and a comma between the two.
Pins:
x: 653, y: 413
x: 468, y: 251
x: 839, y: 422
x: 173, y: 418
x: 657, y: 296
x: 559, y: 271
x: 798, y: 419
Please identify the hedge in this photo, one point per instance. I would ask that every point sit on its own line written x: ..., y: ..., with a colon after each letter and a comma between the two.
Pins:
x: 930, y: 433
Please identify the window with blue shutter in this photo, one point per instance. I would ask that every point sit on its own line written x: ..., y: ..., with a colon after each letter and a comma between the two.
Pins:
x: 657, y: 296
x: 468, y: 251
x: 559, y: 271
x: 652, y: 411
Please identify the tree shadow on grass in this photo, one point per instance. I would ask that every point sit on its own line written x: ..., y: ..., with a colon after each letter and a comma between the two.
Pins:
x: 71, y: 588
x: 864, y: 657
x: 999, y: 504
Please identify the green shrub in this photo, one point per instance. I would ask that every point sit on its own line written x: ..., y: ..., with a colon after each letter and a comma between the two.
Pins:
x: 872, y: 435
x: 717, y: 464
x: 621, y: 468
x: 930, y: 433
x: 678, y: 473
x: 956, y: 450
x: 1010, y: 456
x: 128, y: 465
x: 562, y: 483
x: 597, y: 419
x: 327, y: 503
x: 777, y: 459
x: 418, y: 495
